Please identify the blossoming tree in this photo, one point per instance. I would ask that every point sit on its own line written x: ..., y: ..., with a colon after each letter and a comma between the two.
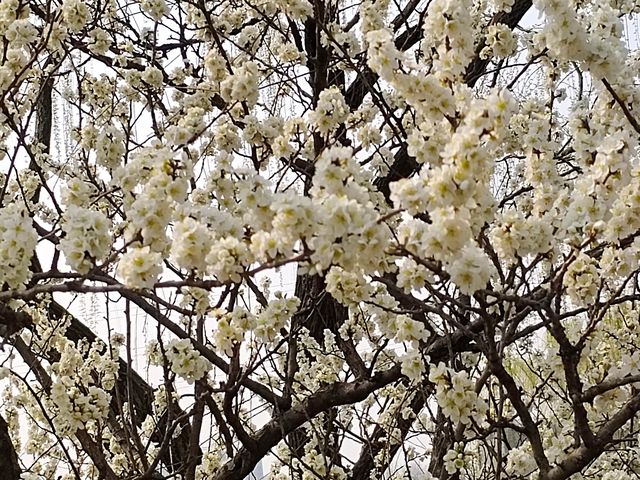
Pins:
x: 455, y: 182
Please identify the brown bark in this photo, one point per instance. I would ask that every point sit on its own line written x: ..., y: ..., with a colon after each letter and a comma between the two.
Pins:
x: 9, y: 465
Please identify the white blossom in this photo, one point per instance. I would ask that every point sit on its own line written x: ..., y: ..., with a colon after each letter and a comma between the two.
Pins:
x: 140, y: 267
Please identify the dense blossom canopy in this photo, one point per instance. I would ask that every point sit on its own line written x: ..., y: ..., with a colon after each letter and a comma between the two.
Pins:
x: 452, y: 185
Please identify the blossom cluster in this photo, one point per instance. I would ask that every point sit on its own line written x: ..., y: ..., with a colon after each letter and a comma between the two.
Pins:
x: 454, y: 459
x: 76, y: 14
x: 448, y: 30
x: 595, y: 40
x: 17, y: 243
x: 456, y: 395
x: 83, y: 376
x: 443, y: 189
x: 242, y: 85
x: 186, y: 361
x: 232, y: 327
x: 75, y: 408
x: 323, y: 368
x: 330, y: 112
x: 501, y: 42
x: 150, y: 183
x: 275, y: 316
x: 140, y: 267
x: 582, y: 279
x: 87, y: 238
x: 515, y: 235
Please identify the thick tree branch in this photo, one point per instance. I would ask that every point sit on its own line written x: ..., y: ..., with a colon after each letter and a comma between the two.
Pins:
x: 337, y: 394
x: 603, y: 387
x: 515, y: 396
x: 584, y: 455
x: 9, y: 465
x: 362, y: 469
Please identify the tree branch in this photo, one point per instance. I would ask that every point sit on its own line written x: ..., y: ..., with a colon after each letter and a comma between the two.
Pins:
x: 9, y: 465
x: 337, y: 394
